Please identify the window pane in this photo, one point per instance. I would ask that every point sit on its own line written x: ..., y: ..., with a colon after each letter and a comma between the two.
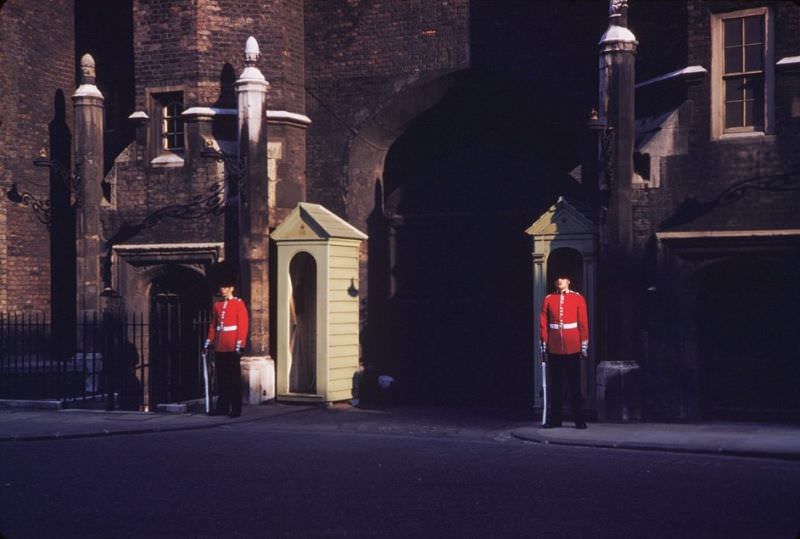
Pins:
x: 734, y: 90
x: 753, y: 58
x: 748, y: 113
x: 733, y: 32
x: 754, y: 93
x: 753, y: 87
x: 733, y: 60
x: 733, y: 114
x: 173, y: 126
x: 754, y: 29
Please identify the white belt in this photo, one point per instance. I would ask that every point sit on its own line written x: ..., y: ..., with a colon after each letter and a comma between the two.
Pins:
x: 573, y: 325
x: 229, y: 328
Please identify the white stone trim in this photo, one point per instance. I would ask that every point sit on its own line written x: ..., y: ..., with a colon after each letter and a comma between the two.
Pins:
x: 284, y: 116
x: 167, y: 160
x: 788, y: 60
x: 175, y: 247
x: 685, y: 73
x: 788, y: 63
x: 615, y: 34
x: 209, y: 111
x: 139, y: 115
x: 711, y: 234
x: 87, y: 90
x: 273, y: 116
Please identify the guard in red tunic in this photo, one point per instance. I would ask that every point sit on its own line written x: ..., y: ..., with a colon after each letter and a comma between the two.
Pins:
x: 564, y: 330
x: 227, y: 333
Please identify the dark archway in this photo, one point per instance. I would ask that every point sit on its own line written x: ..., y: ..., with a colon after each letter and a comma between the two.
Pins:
x: 460, y: 186
x: 303, y: 324
x: 177, y: 297
x: 747, y: 327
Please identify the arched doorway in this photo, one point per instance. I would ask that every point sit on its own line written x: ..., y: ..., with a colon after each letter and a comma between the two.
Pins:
x: 460, y: 186
x: 177, y: 296
x: 748, y: 338
x: 303, y: 324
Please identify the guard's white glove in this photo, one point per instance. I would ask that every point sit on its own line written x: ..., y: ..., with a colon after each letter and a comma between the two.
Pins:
x: 585, y: 349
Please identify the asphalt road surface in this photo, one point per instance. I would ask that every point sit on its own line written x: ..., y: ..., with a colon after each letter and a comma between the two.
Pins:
x: 300, y: 478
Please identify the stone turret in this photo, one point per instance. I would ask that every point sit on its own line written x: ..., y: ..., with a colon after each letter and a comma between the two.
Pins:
x: 617, y: 267
x: 251, y: 91
x: 88, y: 105
x: 617, y: 77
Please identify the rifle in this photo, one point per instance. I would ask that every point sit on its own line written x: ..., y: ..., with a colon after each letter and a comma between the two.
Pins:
x: 544, y: 390
x: 206, y: 382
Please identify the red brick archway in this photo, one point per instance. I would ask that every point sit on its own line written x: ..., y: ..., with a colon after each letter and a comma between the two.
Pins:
x: 450, y: 193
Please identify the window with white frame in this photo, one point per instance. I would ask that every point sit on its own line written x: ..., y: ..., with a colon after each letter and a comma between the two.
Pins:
x: 171, y: 122
x: 742, y: 73
x: 167, y: 137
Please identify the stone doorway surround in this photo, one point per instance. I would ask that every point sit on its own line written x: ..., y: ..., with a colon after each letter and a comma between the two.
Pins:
x: 136, y: 265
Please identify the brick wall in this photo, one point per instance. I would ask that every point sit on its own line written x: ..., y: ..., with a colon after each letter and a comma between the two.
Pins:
x: 141, y: 190
x: 359, y: 56
x: 224, y: 26
x: 189, y: 43
x: 165, y: 47
x: 37, y: 73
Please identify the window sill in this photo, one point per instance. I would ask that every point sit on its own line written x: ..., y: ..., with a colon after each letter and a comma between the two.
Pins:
x: 167, y: 160
x: 758, y: 136
x: 644, y: 186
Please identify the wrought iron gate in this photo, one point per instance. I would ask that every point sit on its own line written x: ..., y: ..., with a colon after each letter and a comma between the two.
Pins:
x: 129, y: 361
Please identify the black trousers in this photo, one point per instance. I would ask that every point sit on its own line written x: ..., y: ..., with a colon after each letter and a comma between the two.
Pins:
x: 560, y: 367
x: 229, y: 383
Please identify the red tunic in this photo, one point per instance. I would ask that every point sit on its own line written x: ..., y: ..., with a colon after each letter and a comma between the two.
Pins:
x: 563, y: 323
x: 228, y: 329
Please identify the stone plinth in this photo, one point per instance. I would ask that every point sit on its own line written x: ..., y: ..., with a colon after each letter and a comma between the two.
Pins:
x: 618, y: 391
x: 258, y: 379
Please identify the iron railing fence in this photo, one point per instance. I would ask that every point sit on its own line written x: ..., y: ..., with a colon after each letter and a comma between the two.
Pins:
x: 129, y: 361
